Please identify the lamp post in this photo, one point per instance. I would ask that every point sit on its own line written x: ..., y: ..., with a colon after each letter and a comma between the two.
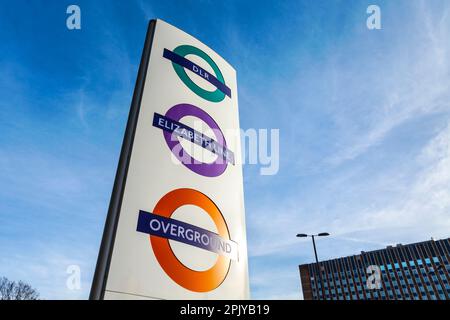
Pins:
x: 322, y: 234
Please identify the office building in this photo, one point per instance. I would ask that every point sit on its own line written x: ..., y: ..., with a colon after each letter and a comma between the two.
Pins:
x: 418, y: 271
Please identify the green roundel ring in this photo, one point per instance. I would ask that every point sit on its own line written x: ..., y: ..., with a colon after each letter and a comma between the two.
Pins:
x: 213, y: 96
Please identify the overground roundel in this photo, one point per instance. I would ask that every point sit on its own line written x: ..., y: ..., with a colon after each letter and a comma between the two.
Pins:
x: 180, y: 64
x: 161, y: 228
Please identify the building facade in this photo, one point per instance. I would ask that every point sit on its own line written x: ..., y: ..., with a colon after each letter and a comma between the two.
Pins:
x: 418, y: 271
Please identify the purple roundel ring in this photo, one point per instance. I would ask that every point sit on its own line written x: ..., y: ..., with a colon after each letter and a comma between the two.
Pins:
x: 179, y: 111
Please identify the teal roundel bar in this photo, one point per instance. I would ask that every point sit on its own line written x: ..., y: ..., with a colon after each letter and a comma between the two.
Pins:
x: 213, y: 96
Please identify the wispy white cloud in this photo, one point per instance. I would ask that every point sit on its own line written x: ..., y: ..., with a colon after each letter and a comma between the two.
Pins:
x: 417, y: 86
x: 46, y: 269
x: 146, y: 9
x: 56, y: 174
x: 421, y: 208
x: 376, y: 97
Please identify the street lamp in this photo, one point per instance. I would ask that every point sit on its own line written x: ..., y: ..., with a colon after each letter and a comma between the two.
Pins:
x: 322, y: 234
x: 318, y: 267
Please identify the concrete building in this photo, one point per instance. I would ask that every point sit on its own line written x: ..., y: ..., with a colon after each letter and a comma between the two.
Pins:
x: 418, y: 271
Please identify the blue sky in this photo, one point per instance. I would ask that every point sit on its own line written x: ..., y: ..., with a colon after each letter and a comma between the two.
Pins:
x: 364, y: 119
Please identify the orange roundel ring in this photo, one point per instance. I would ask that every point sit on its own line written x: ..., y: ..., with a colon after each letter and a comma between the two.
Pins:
x: 198, y: 281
